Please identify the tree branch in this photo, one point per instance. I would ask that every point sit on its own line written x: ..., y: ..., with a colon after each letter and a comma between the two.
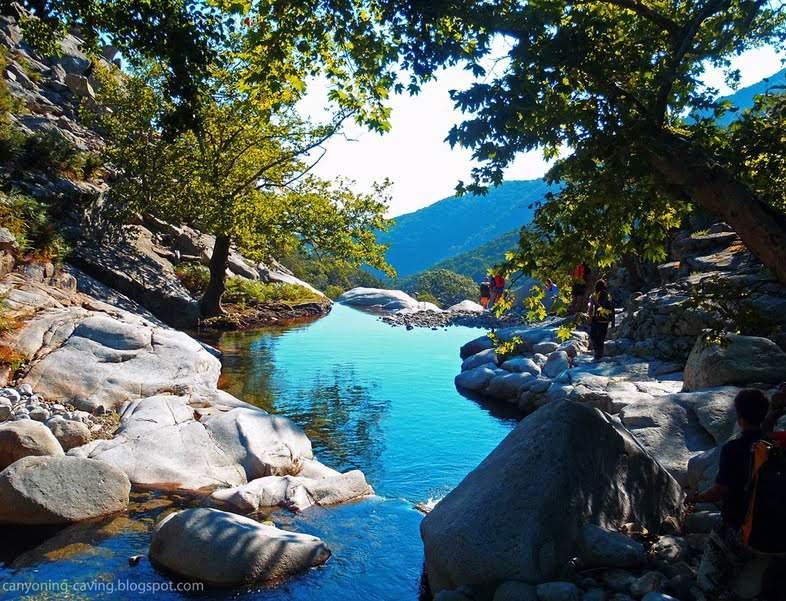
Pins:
x: 641, y: 9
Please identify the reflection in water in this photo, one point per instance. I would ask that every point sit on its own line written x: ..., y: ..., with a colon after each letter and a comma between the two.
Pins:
x: 343, y: 421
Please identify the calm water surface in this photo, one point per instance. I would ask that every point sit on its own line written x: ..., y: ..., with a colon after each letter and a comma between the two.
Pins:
x: 369, y: 396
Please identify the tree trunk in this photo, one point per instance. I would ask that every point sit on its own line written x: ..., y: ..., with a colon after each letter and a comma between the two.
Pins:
x: 686, y: 169
x: 210, y: 305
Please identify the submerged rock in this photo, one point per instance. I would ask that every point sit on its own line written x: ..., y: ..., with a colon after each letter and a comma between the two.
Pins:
x: 501, y: 524
x: 293, y: 492
x: 225, y: 549
x: 60, y: 490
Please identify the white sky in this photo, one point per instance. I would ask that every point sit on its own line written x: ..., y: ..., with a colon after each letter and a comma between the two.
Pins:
x: 422, y: 167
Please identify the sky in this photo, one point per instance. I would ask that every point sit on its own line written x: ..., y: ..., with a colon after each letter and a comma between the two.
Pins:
x: 422, y: 167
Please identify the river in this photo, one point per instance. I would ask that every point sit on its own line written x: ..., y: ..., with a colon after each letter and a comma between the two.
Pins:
x: 370, y: 396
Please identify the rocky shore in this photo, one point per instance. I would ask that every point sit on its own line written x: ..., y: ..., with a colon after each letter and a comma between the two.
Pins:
x: 613, y: 444
x: 397, y: 308
x: 110, y: 400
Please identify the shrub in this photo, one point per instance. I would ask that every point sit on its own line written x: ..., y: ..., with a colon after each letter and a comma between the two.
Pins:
x: 447, y: 287
x: 333, y: 291
x: 243, y: 292
x: 29, y: 221
x: 49, y: 150
x: 427, y: 297
x: 194, y: 277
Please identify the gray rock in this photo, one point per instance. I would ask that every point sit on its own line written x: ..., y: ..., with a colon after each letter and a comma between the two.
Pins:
x: 545, y: 348
x: 293, y: 492
x: 379, y: 299
x: 521, y: 365
x: 703, y: 522
x: 491, y: 529
x: 473, y: 347
x: 25, y: 389
x: 515, y: 591
x: 93, y: 359
x: 24, y: 438
x: 39, y: 414
x: 60, y: 490
x: 70, y: 434
x: 149, y: 445
x: 8, y: 242
x: 5, y: 413
x: 740, y: 360
x: 557, y: 363
x: 263, y: 444
x: 668, y: 431
x: 509, y: 386
x: 602, y: 548
x: 558, y: 591
x: 619, y: 581
x: 225, y: 549
x: 670, y: 548
x: 11, y: 394
x: 594, y: 594
x: 481, y: 358
x: 648, y: 583
x: 475, y: 379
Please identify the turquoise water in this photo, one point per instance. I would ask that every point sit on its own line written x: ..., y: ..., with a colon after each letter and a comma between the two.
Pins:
x: 369, y: 396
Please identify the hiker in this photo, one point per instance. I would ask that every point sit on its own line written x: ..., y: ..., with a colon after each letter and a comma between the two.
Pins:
x: 485, y: 292
x: 550, y: 294
x: 601, y: 312
x: 725, y: 553
x: 497, y: 287
x: 578, y: 290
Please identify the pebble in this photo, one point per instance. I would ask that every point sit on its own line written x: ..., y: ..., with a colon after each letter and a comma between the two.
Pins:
x: 39, y: 414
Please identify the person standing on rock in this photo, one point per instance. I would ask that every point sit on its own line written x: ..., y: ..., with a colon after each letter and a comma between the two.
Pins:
x: 578, y: 291
x: 601, y: 311
x: 485, y: 292
x: 724, y: 553
x: 550, y: 294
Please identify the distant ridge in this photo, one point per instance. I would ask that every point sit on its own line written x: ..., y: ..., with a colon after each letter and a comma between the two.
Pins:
x: 455, y: 225
x: 743, y: 98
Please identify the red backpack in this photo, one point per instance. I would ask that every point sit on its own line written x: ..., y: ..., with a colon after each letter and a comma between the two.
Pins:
x: 499, y: 281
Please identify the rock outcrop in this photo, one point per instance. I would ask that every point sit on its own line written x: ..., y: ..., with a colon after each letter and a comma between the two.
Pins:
x: 381, y: 300
x: 225, y: 549
x: 502, y: 524
x: 60, y: 490
x: 736, y: 360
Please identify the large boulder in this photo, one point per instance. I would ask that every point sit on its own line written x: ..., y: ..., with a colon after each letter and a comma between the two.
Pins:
x: 24, y: 438
x: 225, y: 549
x: 557, y: 362
x: 94, y: 359
x: 60, y: 490
x: 475, y: 380
x: 160, y: 445
x: 293, y: 492
x: 378, y: 299
x: 669, y: 431
x: 264, y: 444
x: 501, y: 523
x: 467, y: 306
x: 737, y: 360
x: 473, y: 347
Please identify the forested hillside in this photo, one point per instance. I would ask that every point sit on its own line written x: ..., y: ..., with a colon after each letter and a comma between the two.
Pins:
x: 458, y: 224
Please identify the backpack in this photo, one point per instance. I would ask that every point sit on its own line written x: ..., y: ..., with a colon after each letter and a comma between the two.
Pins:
x: 499, y: 282
x: 764, y: 528
x: 602, y: 307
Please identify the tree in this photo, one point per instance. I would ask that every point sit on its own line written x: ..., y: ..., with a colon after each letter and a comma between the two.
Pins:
x: 243, y: 175
x: 614, y: 81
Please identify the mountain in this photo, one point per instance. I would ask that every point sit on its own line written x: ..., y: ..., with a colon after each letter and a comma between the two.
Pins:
x: 743, y: 98
x: 475, y: 263
x: 455, y: 225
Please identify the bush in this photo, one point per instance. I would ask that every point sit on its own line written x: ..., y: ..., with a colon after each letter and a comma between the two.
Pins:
x: 243, y: 292
x: 50, y: 150
x: 333, y: 292
x: 29, y: 221
x: 194, y: 277
x: 427, y: 297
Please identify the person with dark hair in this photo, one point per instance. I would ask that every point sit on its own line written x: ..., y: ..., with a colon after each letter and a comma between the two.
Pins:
x: 725, y: 554
x: 601, y: 312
